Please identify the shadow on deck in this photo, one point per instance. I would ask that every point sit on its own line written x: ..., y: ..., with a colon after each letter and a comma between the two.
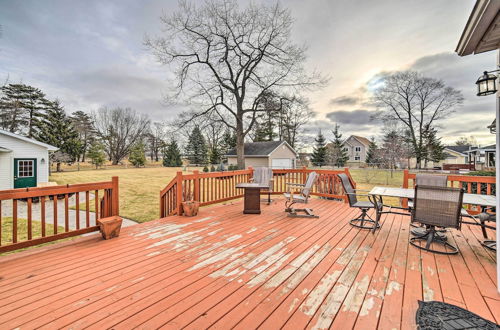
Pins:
x: 226, y: 269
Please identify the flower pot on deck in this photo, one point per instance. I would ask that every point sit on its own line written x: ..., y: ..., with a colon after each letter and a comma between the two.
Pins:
x: 190, y: 208
x: 110, y: 226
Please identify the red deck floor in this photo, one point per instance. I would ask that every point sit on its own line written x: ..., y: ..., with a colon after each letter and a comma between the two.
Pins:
x: 225, y: 269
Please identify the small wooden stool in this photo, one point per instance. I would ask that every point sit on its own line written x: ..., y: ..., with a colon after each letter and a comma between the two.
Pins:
x: 110, y: 226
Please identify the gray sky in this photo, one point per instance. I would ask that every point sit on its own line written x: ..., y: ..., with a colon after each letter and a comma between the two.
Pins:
x: 90, y: 54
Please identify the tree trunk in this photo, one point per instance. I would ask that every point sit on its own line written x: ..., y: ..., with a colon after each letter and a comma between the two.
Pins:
x: 240, y: 150
x: 58, y: 167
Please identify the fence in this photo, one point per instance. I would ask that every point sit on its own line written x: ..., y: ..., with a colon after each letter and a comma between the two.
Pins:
x: 483, y: 185
x: 216, y: 187
x: 37, y: 213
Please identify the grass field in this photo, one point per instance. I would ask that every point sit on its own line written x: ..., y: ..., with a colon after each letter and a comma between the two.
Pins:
x: 22, y: 231
x: 139, y: 187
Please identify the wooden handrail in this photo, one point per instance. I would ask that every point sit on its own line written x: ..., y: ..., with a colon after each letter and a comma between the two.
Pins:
x: 463, y: 181
x: 216, y: 187
x: 52, y: 199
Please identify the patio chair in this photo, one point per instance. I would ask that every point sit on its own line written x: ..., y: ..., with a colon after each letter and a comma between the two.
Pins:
x: 487, y: 215
x: 363, y: 221
x: 300, y: 195
x: 436, y: 207
x: 264, y: 176
x: 430, y: 180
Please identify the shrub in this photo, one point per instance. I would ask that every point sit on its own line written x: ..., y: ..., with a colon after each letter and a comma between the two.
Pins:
x: 137, y: 156
x: 212, y: 168
x: 205, y: 169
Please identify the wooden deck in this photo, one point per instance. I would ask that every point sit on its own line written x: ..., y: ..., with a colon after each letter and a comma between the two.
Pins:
x: 225, y: 269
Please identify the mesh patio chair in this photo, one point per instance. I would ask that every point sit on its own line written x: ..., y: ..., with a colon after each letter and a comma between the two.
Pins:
x: 481, y: 219
x: 436, y: 207
x: 300, y: 195
x: 363, y: 221
x: 430, y: 180
x: 264, y: 176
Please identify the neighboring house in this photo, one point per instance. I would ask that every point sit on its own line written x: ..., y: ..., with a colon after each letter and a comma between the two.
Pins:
x: 24, y: 162
x: 275, y: 154
x: 356, y: 148
x: 453, y: 155
x: 483, y: 157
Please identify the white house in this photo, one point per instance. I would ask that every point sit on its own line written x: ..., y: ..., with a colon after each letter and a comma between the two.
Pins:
x: 275, y: 154
x: 356, y: 148
x: 24, y: 162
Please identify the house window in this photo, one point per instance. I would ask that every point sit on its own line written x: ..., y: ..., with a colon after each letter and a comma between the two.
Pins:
x: 358, y: 149
x: 345, y: 149
x: 357, y: 158
x: 25, y: 169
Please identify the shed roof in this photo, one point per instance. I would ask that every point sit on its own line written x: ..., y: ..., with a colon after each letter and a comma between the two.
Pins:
x: 259, y: 149
x: 26, y: 139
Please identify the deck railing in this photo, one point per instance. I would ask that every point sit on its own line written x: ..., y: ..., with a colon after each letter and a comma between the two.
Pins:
x: 34, y: 216
x: 216, y: 187
x: 483, y: 185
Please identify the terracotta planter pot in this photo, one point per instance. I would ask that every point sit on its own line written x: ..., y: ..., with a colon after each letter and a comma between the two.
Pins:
x: 190, y: 208
x: 110, y: 227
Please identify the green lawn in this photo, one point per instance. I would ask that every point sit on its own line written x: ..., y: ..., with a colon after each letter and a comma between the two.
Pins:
x: 139, y: 187
x: 22, y: 231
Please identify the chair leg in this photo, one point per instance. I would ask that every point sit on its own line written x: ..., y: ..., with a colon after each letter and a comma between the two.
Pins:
x: 483, y: 228
x: 490, y: 244
x: 432, y: 237
x: 364, y: 221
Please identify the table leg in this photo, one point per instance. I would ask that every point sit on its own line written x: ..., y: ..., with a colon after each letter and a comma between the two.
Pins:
x: 252, y: 201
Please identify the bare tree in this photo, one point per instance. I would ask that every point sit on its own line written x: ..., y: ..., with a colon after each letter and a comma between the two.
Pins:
x: 156, y: 138
x: 417, y: 102
x: 225, y: 58
x: 119, y: 129
x: 293, y: 117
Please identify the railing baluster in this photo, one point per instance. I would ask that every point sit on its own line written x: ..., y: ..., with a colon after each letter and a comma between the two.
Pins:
x: 54, y: 200
x: 0, y: 222
x: 30, y: 218
x: 66, y: 213
x: 42, y: 214
x: 96, y: 203
x: 77, y: 210
x: 14, y: 221
x: 87, y: 209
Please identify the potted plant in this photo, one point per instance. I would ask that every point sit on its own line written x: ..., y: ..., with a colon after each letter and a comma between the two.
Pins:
x: 190, y: 207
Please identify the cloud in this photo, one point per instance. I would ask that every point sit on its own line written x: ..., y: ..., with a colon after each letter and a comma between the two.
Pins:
x: 345, y: 100
x: 355, y: 117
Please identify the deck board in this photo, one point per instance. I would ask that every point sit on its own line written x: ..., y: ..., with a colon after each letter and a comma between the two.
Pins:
x: 225, y: 269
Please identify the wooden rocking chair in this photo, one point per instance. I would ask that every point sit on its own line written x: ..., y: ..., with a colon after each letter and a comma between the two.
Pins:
x: 300, y: 195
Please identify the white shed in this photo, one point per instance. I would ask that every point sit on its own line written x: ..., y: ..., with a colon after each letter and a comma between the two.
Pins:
x: 24, y: 162
x: 274, y: 154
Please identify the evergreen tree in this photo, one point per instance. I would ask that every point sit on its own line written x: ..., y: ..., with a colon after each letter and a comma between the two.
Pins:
x: 96, y: 154
x: 214, y: 155
x: 137, y: 156
x: 372, y: 155
x: 228, y: 142
x: 434, y: 150
x: 172, y: 155
x: 319, y: 152
x: 84, y: 126
x: 56, y: 129
x: 336, y: 152
x: 22, y: 108
x: 196, y: 148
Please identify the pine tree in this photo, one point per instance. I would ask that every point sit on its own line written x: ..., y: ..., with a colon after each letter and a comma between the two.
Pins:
x: 84, y: 126
x: 56, y: 129
x: 319, y: 153
x: 137, y: 156
x: 196, y: 148
x: 434, y: 150
x: 372, y: 153
x: 172, y: 155
x: 336, y: 152
x: 96, y: 154
x: 22, y: 108
x: 228, y: 142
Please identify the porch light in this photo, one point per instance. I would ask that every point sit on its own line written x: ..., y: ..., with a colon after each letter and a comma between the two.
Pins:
x: 486, y: 84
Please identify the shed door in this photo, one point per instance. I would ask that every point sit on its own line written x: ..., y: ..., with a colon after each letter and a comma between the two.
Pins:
x: 24, y: 172
x: 281, y: 163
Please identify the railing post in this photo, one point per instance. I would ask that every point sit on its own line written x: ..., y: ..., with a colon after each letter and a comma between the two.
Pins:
x: 304, y: 174
x: 406, y: 178
x: 179, y: 196
x: 196, y: 181
x: 250, y: 168
x: 115, y: 199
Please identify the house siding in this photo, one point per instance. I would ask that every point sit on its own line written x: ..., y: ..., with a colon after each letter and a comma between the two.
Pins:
x: 21, y: 149
x: 283, y: 151
x: 351, y: 143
